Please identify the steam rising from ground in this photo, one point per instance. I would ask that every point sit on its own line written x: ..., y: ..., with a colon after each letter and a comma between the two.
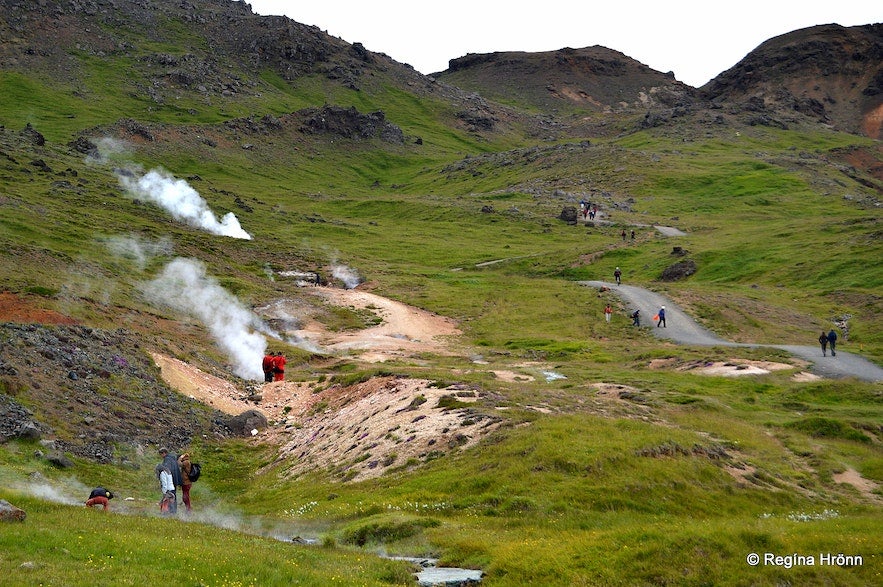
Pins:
x: 139, y: 250
x: 349, y: 277
x: 182, y: 201
x: 184, y: 286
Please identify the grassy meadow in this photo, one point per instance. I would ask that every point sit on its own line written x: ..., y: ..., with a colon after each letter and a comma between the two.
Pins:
x: 675, y: 483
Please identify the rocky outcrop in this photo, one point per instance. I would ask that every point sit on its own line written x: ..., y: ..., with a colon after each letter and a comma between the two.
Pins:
x: 351, y: 124
x: 830, y: 73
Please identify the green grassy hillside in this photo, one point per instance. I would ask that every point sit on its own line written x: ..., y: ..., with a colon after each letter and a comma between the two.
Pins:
x: 627, y: 468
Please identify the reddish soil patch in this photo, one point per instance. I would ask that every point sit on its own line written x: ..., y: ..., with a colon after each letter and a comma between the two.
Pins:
x: 24, y: 311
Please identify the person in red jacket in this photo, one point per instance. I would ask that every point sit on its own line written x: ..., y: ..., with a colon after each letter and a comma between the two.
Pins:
x: 267, y: 366
x: 279, y: 367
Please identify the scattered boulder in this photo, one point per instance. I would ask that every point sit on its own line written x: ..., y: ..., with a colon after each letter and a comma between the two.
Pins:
x: 244, y: 423
x: 10, y: 513
x: 60, y: 461
x: 678, y: 271
x: 568, y: 215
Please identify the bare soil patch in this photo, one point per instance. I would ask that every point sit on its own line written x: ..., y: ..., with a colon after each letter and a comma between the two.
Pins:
x: 404, y: 331
x: 23, y: 310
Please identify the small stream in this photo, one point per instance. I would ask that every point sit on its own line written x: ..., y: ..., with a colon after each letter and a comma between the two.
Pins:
x: 431, y: 575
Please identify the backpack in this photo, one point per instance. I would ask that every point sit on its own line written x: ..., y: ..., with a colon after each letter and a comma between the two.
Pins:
x: 195, y: 472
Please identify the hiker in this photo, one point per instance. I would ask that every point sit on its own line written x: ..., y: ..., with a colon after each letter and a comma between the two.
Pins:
x: 636, y: 318
x: 267, y: 366
x: 617, y: 275
x: 168, y: 503
x: 608, y: 311
x: 623, y: 234
x: 661, y: 317
x: 185, y: 466
x: 633, y: 235
x: 99, y: 496
x: 169, y: 465
x: 823, y: 340
x: 279, y: 367
x: 832, y: 340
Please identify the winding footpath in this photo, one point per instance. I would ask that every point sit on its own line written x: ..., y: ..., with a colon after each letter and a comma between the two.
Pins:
x: 683, y: 329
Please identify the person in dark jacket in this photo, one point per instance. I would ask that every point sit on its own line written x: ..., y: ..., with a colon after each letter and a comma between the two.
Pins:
x: 170, y: 464
x: 823, y: 340
x: 832, y: 341
x: 99, y: 496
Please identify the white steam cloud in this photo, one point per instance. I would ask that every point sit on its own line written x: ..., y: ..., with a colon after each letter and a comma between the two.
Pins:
x: 349, y: 277
x: 138, y: 250
x: 184, y: 286
x: 182, y: 202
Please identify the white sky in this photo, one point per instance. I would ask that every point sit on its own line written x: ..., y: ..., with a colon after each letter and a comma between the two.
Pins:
x: 696, y: 40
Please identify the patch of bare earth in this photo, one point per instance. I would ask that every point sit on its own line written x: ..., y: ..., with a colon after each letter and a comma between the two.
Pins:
x: 403, y: 331
x: 24, y: 311
x: 865, y: 487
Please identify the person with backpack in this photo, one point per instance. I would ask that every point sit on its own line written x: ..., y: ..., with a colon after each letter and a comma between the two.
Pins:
x: 823, y: 340
x: 636, y: 318
x: 186, y: 481
x: 832, y: 341
x: 617, y: 275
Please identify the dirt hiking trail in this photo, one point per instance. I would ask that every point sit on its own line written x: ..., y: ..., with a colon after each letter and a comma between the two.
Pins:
x: 682, y: 329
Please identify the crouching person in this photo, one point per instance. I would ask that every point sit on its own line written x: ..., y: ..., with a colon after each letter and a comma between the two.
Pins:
x: 99, y: 496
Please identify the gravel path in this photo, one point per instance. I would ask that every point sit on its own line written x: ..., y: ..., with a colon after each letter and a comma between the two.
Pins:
x: 682, y: 329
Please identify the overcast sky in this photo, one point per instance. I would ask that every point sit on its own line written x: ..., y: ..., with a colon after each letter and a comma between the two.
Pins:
x: 696, y: 40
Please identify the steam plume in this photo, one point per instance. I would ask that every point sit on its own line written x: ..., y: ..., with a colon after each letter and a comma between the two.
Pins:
x: 184, y: 286
x: 349, y: 277
x: 138, y: 250
x: 183, y: 202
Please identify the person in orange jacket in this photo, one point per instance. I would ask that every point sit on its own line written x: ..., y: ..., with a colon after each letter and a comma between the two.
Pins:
x: 279, y: 367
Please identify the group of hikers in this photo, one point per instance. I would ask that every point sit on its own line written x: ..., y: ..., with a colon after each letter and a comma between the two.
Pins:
x: 273, y: 366
x: 172, y: 472
x: 826, y: 340
x: 588, y: 210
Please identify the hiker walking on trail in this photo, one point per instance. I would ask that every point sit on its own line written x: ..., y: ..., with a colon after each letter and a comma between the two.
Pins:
x: 823, y: 340
x: 660, y: 316
x: 608, y: 311
x: 617, y: 275
x: 832, y: 341
x: 186, y: 466
x: 623, y: 235
x: 636, y: 318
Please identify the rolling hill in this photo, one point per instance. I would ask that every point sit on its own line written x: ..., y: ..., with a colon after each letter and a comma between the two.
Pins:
x: 176, y: 178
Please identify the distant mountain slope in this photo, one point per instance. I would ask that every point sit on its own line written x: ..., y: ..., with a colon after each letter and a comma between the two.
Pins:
x: 593, y: 78
x: 831, y: 72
